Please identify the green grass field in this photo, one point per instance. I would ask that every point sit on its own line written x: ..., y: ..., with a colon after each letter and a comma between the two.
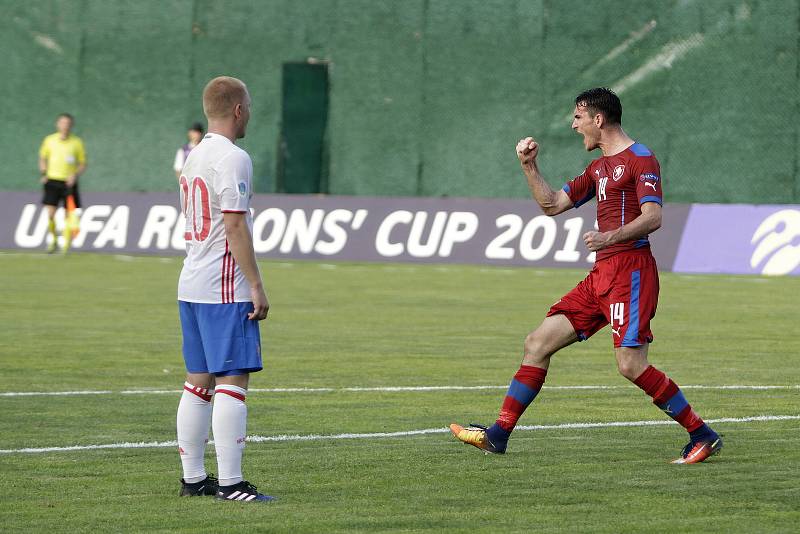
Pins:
x: 104, y: 323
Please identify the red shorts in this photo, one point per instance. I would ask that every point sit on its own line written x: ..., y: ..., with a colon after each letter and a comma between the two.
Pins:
x: 621, y: 290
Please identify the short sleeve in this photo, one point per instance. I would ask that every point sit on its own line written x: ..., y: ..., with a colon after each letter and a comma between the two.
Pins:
x: 580, y: 189
x: 178, y: 163
x: 80, y: 152
x: 232, y: 182
x: 44, y: 150
x: 648, y: 182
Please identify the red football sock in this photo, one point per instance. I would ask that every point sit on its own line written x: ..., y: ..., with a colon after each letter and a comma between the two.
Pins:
x: 523, y: 389
x: 668, y: 396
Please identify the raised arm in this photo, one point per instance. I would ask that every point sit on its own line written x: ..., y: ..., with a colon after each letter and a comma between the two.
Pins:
x: 551, y: 202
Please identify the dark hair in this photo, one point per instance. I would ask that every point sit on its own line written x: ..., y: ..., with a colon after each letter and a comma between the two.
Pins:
x: 602, y: 100
x: 66, y: 115
x: 197, y: 127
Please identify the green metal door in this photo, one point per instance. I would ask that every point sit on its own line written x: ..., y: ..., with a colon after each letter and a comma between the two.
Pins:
x: 302, y: 158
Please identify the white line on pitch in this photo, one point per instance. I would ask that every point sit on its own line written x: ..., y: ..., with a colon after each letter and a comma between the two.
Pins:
x: 400, y: 434
x: 53, y: 393
x: 385, y: 389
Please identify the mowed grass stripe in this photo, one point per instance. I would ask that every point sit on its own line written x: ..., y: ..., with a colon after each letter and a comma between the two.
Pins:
x: 399, y: 434
x: 387, y: 389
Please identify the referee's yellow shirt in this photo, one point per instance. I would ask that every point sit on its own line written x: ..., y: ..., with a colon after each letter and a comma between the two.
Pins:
x: 63, y: 156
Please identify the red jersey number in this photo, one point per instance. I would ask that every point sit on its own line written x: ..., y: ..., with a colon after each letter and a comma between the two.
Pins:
x: 200, y: 224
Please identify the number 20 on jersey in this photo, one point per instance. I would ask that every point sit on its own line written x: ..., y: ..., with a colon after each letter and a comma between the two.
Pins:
x: 198, y: 221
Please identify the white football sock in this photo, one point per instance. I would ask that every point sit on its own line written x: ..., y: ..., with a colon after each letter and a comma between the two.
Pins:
x: 229, y: 423
x: 194, y: 413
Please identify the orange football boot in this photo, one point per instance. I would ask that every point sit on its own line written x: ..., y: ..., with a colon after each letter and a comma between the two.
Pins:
x: 700, y: 451
x: 475, y: 435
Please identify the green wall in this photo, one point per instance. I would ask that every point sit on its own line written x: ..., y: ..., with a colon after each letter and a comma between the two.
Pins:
x: 428, y: 97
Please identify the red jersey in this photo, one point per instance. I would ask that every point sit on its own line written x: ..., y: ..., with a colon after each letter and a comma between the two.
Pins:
x: 621, y: 183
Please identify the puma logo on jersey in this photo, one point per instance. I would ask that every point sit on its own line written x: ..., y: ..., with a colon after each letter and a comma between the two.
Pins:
x: 616, y: 332
x: 651, y: 185
x: 601, y: 188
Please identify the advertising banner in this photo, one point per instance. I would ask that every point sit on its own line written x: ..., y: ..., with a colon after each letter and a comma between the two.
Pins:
x: 741, y: 239
x: 699, y: 238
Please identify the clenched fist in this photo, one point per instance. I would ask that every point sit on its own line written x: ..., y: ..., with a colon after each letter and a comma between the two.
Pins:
x: 596, y: 240
x: 527, y: 150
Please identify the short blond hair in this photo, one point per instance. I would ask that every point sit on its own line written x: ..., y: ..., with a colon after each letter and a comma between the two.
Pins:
x: 221, y: 95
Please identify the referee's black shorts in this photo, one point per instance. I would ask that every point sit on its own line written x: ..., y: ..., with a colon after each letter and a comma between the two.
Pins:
x: 56, y: 192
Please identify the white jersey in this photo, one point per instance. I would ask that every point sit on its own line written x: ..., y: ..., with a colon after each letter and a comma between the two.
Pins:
x: 216, y: 179
x: 180, y: 159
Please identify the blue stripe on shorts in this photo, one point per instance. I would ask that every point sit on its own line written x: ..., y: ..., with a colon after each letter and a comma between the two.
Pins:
x: 632, y: 333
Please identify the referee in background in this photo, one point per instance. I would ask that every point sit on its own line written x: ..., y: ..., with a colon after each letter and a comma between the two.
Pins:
x: 62, y: 159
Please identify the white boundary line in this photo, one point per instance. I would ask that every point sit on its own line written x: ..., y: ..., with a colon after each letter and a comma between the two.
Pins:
x: 383, y: 389
x: 406, y: 433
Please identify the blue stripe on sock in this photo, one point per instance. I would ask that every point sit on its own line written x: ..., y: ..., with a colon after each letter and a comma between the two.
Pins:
x: 522, y: 393
x: 674, y: 405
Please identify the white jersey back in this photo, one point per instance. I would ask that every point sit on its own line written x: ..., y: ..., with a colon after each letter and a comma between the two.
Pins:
x: 216, y: 179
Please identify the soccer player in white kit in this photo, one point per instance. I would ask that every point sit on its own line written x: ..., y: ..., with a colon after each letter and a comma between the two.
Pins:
x: 220, y: 296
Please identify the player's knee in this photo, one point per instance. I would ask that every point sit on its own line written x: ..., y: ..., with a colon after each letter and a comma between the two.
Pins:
x: 534, y: 348
x: 629, y: 369
x: 203, y: 380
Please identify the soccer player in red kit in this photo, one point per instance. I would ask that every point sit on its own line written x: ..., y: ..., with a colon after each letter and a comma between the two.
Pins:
x: 622, y: 287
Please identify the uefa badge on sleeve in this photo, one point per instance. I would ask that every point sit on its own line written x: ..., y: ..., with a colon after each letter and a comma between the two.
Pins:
x: 242, y: 189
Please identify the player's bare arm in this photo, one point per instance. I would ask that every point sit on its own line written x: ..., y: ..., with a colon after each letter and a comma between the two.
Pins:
x: 43, y: 169
x: 646, y: 223
x: 551, y: 202
x: 241, y: 245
